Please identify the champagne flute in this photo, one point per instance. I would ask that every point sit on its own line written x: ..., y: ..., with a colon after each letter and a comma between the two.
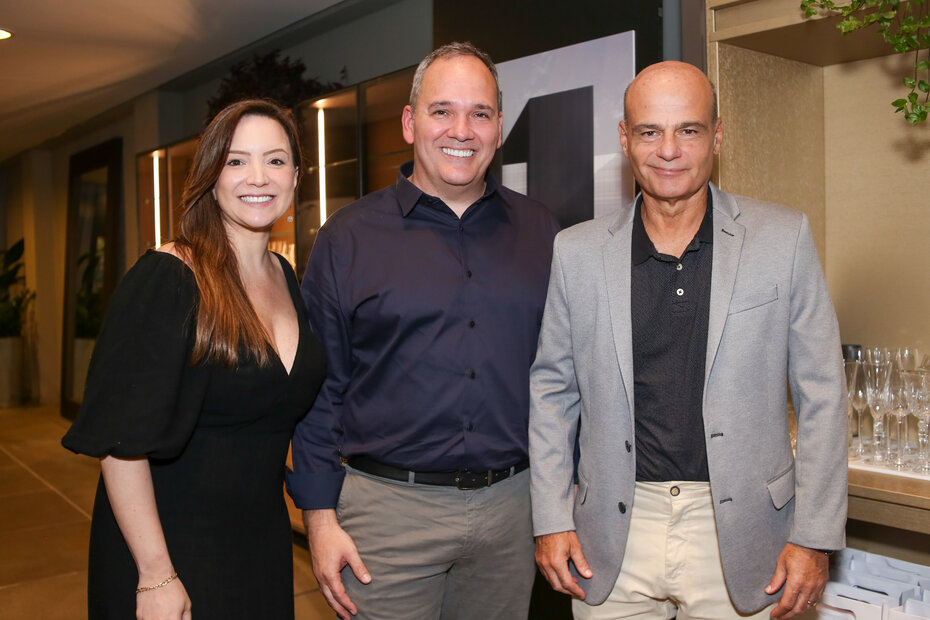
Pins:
x: 876, y: 375
x: 898, y: 406
x: 908, y: 358
x: 856, y: 391
x: 922, y: 413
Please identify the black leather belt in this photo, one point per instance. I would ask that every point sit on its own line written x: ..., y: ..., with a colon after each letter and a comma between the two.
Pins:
x: 462, y: 479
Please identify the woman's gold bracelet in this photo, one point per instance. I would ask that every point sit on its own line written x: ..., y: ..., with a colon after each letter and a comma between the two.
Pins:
x: 157, y: 585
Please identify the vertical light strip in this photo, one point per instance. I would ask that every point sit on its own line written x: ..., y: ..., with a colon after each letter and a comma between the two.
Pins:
x: 321, y: 146
x: 156, y: 186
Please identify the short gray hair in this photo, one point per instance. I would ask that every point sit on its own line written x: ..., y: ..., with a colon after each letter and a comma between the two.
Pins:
x: 450, y: 50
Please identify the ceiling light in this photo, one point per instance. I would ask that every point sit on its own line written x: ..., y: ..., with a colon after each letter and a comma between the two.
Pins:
x: 5, y: 34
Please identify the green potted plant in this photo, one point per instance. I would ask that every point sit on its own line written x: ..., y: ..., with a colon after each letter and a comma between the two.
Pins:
x: 14, y: 300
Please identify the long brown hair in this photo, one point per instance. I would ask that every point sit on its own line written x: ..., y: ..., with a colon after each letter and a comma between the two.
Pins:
x: 226, y: 319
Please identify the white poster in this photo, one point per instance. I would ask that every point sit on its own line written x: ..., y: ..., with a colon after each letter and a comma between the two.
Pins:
x: 552, y: 101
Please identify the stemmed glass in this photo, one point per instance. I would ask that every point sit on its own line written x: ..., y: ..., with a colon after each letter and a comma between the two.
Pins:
x: 876, y: 378
x: 856, y: 391
x: 897, y: 399
x: 922, y: 412
x: 908, y: 358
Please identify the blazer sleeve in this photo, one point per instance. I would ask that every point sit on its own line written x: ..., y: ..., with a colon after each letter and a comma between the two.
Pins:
x: 815, y: 373
x: 555, y: 406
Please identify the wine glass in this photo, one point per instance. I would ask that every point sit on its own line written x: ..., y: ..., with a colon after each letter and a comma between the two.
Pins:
x: 898, y: 402
x: 908, y: 358
x: 856, y: 391
x: 922, y: 413
x: 876, y: 380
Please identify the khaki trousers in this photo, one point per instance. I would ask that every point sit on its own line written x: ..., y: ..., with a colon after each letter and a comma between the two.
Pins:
x: 671, y: 566
x: 439, y: 552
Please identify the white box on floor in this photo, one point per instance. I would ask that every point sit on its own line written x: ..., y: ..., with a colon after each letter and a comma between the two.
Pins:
x: 845, y: 602
x: 911, y: 610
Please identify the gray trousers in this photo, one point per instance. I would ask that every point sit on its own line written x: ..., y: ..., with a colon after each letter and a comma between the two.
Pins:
x: 439, y: 552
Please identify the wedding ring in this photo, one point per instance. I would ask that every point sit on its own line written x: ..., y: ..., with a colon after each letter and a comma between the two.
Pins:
x: 811, y: 604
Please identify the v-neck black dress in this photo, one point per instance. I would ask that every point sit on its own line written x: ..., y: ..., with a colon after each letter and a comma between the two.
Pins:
x: 216, y: 439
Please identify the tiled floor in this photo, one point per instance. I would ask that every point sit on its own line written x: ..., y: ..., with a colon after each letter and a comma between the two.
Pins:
x: 46, y: 496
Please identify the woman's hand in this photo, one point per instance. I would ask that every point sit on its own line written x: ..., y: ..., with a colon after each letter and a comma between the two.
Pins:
x: 169, y: 602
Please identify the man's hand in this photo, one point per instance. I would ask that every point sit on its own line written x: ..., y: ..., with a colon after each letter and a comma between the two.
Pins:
x: 804, y: 573
x: 330, y: 550
x: 553, y: 552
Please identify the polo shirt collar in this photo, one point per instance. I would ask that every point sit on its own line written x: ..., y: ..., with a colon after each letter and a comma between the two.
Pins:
x: 643, y: 248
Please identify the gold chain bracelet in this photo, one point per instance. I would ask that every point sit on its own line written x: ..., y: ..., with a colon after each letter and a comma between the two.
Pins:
x: 157, y: 585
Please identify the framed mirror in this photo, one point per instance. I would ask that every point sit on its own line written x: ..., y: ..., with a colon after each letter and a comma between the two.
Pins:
x: 95, y: 178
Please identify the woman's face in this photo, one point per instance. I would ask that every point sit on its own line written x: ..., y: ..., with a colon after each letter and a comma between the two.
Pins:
x: 256, y: 185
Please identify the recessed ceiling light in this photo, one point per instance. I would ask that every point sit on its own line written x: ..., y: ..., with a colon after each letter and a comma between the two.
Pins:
x: 5, y: 34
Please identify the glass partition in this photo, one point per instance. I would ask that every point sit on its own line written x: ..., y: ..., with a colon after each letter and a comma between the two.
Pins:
x: 95, y: 182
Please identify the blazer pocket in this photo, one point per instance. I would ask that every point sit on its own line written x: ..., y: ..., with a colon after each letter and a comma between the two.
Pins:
x: 581, y: 493
x: 781, y: 487
x: 753, y: 300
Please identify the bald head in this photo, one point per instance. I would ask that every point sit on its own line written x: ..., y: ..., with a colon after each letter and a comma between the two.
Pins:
x: 671, y: 74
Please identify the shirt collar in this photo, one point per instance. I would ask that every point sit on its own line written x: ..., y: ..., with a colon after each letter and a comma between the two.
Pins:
x: 643, y: 248
x: 408, y: 194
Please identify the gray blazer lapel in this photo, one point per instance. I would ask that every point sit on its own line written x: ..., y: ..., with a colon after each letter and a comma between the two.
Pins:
x: 728, y: 243
x: 617, y: 271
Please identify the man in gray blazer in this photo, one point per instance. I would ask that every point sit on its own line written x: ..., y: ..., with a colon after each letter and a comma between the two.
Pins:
x: 670, y: 331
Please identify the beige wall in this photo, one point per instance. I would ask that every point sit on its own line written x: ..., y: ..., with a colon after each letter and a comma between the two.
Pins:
x: 825, y: 140
x: 773, y: 145
x: 878, y: 206
x: 44, y: 208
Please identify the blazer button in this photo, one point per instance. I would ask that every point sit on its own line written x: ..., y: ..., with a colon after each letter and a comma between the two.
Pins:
x: 622, y: 508
x: 628, y: 446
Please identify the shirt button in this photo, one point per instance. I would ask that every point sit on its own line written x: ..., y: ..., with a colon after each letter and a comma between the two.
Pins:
x: 622, y: 507
x: 471, y: 323
x: 461, y: 227
x: 678, y: 267
x: 471, y: 374
x: 674, y: 491
x: 468, y: 273
x: 629, y: 446
x: 680, y: 292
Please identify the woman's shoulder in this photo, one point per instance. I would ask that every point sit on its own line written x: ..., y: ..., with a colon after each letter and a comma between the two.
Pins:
x: 155, y: 273
x: 171, y: 249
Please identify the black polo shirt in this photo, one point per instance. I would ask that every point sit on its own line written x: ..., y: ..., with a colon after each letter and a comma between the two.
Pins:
x: 670, y: 306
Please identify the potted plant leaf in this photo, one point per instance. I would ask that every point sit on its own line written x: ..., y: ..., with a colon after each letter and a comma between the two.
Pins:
x: 14, y: 300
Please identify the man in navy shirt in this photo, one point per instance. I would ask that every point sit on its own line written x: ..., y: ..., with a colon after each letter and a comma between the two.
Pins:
x: 411, y: 467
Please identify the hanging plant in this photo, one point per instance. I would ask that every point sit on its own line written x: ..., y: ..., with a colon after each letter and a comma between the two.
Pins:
x: 268, y: 77
x: 905, y: 26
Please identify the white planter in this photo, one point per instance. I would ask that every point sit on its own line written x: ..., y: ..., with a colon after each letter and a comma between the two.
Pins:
x: 11, y: 371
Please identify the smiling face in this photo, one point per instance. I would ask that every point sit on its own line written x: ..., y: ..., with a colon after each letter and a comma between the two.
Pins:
x: 256, y: 184
x: 669, y: 133
x: 455, y: 129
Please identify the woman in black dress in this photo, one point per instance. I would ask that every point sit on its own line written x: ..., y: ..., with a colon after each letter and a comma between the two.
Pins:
x: 203, y: 367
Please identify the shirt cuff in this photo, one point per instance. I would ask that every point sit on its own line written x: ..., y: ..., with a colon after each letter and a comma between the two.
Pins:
x: 314, y: 491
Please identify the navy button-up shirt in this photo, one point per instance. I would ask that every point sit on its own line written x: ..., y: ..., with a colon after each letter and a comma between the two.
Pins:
x: 430, y: 325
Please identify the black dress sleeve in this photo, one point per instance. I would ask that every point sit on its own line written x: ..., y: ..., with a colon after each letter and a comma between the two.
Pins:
x: 142, y: 396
